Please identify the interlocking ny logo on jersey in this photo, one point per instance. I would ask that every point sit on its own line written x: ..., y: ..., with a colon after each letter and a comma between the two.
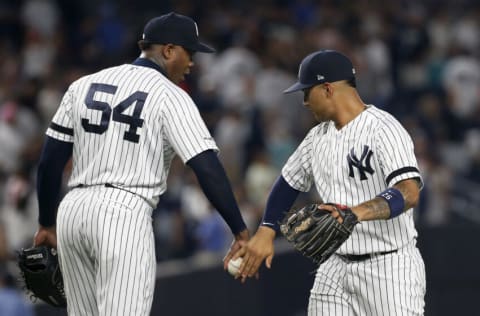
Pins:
x: 362, y: 164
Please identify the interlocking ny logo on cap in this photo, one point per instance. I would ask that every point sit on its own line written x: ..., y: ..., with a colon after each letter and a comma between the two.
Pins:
x: 362, y: 164
x: 196, y: 28
x: 320, y: 77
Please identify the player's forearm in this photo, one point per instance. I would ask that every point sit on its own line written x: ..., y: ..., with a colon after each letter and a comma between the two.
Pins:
x: 374, y: 209
x: 214, y: 182
x: 410, y: 190
x: 279, y: 201
x: 53, y: 159
x: 379, y: 208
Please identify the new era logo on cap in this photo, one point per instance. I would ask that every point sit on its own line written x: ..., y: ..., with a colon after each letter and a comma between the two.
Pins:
x: 322, y: 66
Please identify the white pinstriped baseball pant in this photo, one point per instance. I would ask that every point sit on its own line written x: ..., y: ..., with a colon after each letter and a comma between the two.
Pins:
x: 106, y: 251
x: 391, y: 284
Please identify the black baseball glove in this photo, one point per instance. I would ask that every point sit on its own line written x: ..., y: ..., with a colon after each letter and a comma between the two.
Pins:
x: 315, y: 232
x: 41, y: 274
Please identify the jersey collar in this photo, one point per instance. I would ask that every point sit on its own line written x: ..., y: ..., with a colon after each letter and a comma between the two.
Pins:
x: 145, y: 62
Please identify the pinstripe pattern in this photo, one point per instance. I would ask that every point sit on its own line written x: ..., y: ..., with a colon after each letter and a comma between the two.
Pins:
x: 350, y: 166
x: 172, y: 124
x: 126, y: 123
x: 107, y: 250
x: 322, y: 159
x: 374, y: 287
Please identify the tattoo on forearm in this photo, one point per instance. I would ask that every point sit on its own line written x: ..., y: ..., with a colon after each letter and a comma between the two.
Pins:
x: 408, y: 195
x: 377, y: 208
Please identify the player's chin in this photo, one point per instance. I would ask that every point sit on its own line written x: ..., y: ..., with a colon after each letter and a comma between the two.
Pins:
x: 184, y: 76
x: 319, y: 118
x: 178, y: 80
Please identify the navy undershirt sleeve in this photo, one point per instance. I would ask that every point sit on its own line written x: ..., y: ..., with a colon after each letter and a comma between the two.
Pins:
x: 214, y: 183
x: 55, y: 155
x: 279, y: 202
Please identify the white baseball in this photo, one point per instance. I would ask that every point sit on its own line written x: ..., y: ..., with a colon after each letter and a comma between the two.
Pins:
x: 234, y: 266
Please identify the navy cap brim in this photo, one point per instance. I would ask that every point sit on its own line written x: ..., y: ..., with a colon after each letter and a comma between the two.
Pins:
x: 297, y: 86
x: 203, y: 48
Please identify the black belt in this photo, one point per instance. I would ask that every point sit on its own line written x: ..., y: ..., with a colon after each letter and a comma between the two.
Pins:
x: 109, y: 185
x: 365, y: 256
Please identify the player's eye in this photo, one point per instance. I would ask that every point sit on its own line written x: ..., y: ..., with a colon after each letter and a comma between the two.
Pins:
x: 306, y: 93
x: 190, y: 53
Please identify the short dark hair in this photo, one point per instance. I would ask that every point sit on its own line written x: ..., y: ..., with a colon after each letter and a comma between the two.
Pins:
x: 144, y: 45
x: 352, y: 82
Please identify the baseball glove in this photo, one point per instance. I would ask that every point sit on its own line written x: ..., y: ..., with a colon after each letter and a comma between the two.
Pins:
x: 41, y: 274
x: 315, y: 232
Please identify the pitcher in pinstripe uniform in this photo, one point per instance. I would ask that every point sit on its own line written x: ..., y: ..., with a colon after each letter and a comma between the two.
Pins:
x: 359, y: 156
x: 123, y: 126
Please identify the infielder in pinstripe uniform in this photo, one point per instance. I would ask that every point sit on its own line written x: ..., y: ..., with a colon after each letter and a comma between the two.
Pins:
x: 123, y: 126
x: 359, y: 156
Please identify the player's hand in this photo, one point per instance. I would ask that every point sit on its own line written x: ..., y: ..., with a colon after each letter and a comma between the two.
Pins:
x: 332, y: 210
x: 259, y: 248
x: 239, y: 241
x: 45, y: 236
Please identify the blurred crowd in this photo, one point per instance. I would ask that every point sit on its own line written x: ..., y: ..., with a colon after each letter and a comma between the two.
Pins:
x: 419, y: 60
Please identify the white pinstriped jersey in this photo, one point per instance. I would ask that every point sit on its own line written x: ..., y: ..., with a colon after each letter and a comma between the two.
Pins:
x: 352, y: 165
x: 126, y: 124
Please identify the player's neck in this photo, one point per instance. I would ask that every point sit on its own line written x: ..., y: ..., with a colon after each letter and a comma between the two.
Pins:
x: 152, y: 58
x: 349, y: 107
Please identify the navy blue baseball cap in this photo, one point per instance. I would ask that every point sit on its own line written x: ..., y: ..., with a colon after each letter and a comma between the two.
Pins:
x: 320, y: 67
x: 177, y: 29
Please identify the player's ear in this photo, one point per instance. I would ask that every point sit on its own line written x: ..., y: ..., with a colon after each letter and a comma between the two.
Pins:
x: 168, y: 50
x: 328, y: 88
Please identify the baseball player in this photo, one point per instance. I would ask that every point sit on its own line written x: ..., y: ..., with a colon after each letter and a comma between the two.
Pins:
x: 123, y: 126
x: 361, y: 157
